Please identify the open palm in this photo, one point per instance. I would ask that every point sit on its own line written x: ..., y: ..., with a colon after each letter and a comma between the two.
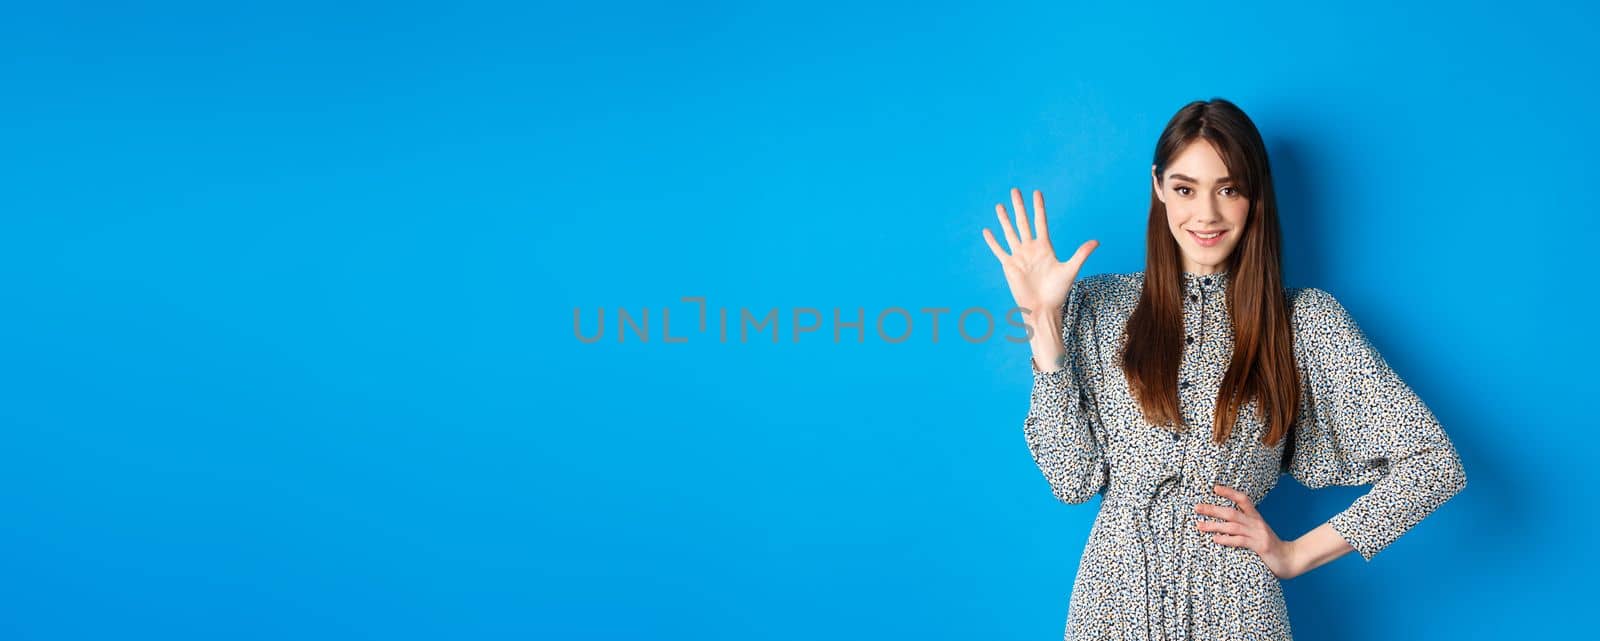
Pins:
x: 1038, y: 281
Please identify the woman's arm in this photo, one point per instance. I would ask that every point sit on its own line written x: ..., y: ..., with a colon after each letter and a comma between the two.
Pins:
x: 1061, y: 413
x: 1316, y: 548
x: 1062, y: 426
x: 1361, y: 424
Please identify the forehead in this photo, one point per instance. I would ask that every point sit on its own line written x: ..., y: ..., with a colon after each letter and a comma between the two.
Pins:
x: 1199, y: 160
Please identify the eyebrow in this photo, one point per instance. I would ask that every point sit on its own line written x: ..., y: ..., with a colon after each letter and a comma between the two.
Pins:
x: 1224, y: 179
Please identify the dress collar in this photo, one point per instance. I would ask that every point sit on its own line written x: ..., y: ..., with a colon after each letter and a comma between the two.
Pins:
x: 1208, y: 283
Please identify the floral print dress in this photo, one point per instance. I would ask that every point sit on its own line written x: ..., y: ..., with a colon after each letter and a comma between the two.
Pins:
x: 1147, y: 572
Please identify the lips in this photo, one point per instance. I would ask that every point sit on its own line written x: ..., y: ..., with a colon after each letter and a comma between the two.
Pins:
x: 1207, y: 242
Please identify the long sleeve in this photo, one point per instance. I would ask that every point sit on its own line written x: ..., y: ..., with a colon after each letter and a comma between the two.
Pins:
x: 1361, y: 424
x: 1063, y: 423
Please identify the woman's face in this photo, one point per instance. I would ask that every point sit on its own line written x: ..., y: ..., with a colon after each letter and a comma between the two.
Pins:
x: 1200, y: 201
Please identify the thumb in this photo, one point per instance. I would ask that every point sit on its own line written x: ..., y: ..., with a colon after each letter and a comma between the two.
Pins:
x: 1083, y: 252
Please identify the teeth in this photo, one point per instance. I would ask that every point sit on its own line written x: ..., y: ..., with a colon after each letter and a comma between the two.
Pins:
x: 1213, y: 235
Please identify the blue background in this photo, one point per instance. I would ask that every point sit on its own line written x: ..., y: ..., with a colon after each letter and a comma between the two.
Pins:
x: 289, y: 296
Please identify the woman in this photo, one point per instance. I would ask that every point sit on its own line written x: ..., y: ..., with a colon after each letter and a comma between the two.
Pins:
x: 1128, y: 367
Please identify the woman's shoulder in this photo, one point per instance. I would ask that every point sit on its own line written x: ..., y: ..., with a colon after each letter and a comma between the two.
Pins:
x: 1317, y: 318
x: 1108, y: 283
x: 1108, y: 292
x: 1312, y: 305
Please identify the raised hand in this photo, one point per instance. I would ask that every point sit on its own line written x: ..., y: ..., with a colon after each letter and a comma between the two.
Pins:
x: 1039, y: 282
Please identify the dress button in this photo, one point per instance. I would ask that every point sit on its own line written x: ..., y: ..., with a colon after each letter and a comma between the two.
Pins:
x: 1206, y: 281
x: 1183, y: 384
x: 1189, y: 339
x: 1193, y: 297
x: 1177, y: 436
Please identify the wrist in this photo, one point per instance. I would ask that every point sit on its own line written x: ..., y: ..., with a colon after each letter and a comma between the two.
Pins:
x: 1045, y: 340
x: 1289, y: 555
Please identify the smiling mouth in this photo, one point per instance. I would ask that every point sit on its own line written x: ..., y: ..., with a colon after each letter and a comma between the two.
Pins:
x: 1207, y: 240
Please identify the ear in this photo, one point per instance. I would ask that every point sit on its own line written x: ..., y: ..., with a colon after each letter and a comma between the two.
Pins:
x: 1155, y: 183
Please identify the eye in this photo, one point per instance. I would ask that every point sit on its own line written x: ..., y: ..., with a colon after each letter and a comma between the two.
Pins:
x: 1230, y: 191
x: 1182, y: 190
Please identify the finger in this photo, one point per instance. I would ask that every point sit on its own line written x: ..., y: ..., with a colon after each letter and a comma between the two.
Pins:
x: 1023, y: 229
x: 1083, y: 253
x: 1041, y: 226
x: 1225, y: 513
x: 1222, y: 527
x: 1232, y: 540
x: 1012, y: 242
x: 994, y: 245
x: 1239, y: 498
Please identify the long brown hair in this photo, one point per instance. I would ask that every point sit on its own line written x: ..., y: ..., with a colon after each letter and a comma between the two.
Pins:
x: 1263, y: 365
